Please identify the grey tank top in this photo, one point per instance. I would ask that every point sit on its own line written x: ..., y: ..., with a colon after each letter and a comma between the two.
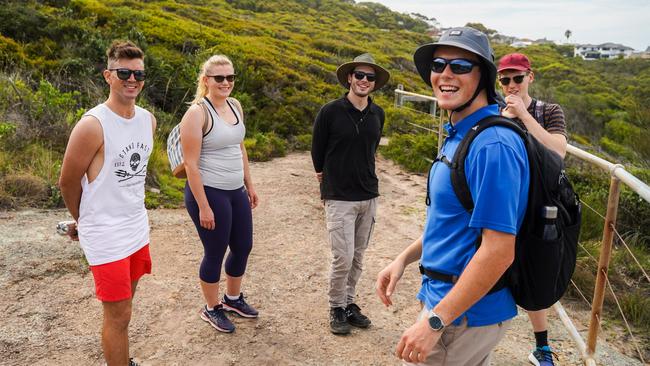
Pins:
x: 220, y: 162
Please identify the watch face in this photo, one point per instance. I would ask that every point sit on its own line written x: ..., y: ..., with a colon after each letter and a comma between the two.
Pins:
x: 435, y: 323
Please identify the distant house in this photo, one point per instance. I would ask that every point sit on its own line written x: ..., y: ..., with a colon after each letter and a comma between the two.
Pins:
x: 602, y: 51
x: 521, y: 43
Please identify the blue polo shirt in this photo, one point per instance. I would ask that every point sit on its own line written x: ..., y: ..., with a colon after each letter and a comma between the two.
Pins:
x: 498, y: 176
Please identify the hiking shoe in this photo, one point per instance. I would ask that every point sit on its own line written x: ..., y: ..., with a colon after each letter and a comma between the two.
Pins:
x: 218, y: 319
x: 542, y: 356
x: 339, y: 321
x: 132, y: 363
x: 355, y: 318
x: 239, y: 306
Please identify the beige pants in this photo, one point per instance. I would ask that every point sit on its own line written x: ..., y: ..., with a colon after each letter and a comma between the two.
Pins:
x: 349, y: 226
x: 461, y: 345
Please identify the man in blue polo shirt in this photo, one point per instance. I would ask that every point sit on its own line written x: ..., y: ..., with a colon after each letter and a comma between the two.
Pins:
x: 464, y: 315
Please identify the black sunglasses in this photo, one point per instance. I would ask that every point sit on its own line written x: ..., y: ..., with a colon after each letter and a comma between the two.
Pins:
x: 517, y: 79
x: 221, y: 78
x: 125, y: 74
x: 458, y: 65
x: 359, y: 75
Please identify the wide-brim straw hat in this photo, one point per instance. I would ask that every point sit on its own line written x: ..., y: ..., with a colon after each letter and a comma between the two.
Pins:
x: 362, y: 60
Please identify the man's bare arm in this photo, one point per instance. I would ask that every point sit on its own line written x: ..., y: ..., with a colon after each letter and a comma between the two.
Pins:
x: 85, y: 141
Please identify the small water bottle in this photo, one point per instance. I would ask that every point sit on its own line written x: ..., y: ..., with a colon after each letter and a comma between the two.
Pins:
x: 549, y: 213
x: 63, y: 227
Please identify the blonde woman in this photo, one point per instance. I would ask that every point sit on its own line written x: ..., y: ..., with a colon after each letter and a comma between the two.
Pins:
x: 219, y: 193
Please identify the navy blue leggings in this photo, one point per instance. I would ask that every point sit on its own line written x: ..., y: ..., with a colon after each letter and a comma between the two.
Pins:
x: 234, y: 229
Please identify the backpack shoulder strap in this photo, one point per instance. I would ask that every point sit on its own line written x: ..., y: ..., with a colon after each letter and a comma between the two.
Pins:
x: 458, y: 176
x: 208, y: 123
x: 237, y: 105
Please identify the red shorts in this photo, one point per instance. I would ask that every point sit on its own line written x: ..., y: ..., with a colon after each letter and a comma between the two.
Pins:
x: 113, y: 280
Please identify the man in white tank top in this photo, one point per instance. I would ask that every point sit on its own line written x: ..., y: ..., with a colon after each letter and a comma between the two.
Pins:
x: 102, y: 183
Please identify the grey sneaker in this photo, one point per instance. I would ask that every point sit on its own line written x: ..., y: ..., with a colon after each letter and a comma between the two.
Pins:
x: 239, y: 306
x: 218, y: 319
x: 132, y: 363
x: 339, y: 321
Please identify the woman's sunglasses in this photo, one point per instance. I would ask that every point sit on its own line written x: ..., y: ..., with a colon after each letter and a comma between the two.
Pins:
x: 458, y: 66
x: 359, y: 75
x: 221, y: 78
x: 517, y: 79
x: 125, y: 74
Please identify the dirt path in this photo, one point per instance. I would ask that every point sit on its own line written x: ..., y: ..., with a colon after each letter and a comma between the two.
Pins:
x: 49, y: 316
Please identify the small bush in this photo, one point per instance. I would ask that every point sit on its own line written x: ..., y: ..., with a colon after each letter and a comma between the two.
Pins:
x: 265, y: 146
x: 413, y: 152
x: 301, y: 142
x: 26, y: 189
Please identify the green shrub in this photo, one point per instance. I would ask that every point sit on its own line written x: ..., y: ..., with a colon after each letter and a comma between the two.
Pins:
x: 413, y: 152
x: 301, y: 142
x: 264, y: 147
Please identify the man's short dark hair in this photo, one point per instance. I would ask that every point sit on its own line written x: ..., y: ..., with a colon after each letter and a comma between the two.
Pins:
x: 123, y: 50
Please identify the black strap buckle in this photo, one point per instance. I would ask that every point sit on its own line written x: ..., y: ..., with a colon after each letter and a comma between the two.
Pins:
x: 437, y: 275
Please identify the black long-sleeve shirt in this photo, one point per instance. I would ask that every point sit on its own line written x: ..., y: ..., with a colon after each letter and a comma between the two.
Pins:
x: 344, y: 144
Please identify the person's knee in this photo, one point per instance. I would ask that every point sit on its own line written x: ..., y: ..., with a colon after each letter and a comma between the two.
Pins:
x: 118, y: 315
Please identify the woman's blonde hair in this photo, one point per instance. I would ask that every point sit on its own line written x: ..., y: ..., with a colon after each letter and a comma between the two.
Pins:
x: 201, y: 88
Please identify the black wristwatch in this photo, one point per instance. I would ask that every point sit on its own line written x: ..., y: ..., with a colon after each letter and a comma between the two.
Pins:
x: 435, y: 322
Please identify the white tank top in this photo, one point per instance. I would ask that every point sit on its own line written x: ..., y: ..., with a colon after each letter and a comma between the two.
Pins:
x: 113, y: 222
x: 220, y: 162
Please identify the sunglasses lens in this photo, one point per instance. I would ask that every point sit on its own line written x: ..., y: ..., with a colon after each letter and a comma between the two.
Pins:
x: 438, y: 65
x: 371, y: 77
x: 460, y: 66
x: 518, y: 79
x: 230, y: 78
x: 123, y: 74
x: 504, y: 81
x: 219, y: 78
x: 359, y: 75
x: 139, y: 75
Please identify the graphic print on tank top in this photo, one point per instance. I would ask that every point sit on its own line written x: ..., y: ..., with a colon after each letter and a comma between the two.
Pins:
x: 130, y: 164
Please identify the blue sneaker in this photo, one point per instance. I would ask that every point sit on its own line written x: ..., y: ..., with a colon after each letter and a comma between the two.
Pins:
x: 218, y: 319
x: 239, y: 306
x: 542, y: 356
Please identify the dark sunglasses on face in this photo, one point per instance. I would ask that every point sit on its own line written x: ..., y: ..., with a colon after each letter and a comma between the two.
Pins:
x: 125, y: 74
x: 221, y: 78
x: 458, y: 66
x: 359, y: 75
x: 517, y: 79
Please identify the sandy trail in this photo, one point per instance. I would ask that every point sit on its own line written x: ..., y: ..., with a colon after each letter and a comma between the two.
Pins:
x: 49, y: 315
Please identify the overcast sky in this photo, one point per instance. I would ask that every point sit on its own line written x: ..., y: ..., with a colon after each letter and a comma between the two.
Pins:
x: 591, y: 21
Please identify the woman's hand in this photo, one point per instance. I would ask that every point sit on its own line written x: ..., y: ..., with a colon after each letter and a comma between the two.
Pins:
x: 206, y: 218
x: 252, y: 197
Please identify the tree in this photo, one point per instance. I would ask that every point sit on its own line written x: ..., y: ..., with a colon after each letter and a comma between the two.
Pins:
x: 567, y: 34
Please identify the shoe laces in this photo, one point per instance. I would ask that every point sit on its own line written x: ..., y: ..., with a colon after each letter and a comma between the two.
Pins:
x: 545, y: 354
x: 339, y: 314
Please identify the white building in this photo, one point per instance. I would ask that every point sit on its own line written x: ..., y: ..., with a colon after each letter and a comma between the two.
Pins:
x: 602, y: 51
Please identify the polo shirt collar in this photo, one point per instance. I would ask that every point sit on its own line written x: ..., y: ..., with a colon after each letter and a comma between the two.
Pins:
x: 461, y: 127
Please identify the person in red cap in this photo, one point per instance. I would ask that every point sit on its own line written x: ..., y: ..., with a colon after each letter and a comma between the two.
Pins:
x: 545, y: 121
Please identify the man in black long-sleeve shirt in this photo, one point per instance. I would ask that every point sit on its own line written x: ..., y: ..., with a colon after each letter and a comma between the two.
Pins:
x: 345, y: 139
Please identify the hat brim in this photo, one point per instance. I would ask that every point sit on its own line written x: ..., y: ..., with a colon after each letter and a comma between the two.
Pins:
x: 344, y: 70
x: 423, y: 59
x: 513, y: 67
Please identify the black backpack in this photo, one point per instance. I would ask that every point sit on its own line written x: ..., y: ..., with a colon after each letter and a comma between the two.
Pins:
x: 542, y: 269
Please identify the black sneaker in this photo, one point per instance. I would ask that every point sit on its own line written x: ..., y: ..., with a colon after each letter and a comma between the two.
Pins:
x: 339, y: 321
x: 132, y: 363
x: 355, y: 318
x: 218, y: 319
x: 239, y: 306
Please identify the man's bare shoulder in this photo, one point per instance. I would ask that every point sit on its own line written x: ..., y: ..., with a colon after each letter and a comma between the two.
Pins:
x: 88, y: 130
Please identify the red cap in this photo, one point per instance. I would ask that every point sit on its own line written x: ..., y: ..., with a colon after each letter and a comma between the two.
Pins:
x: 514, y: 61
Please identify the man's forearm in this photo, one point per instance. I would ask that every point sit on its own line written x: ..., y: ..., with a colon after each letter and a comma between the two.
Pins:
x: 72, y: 197
x: 412, y: 253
